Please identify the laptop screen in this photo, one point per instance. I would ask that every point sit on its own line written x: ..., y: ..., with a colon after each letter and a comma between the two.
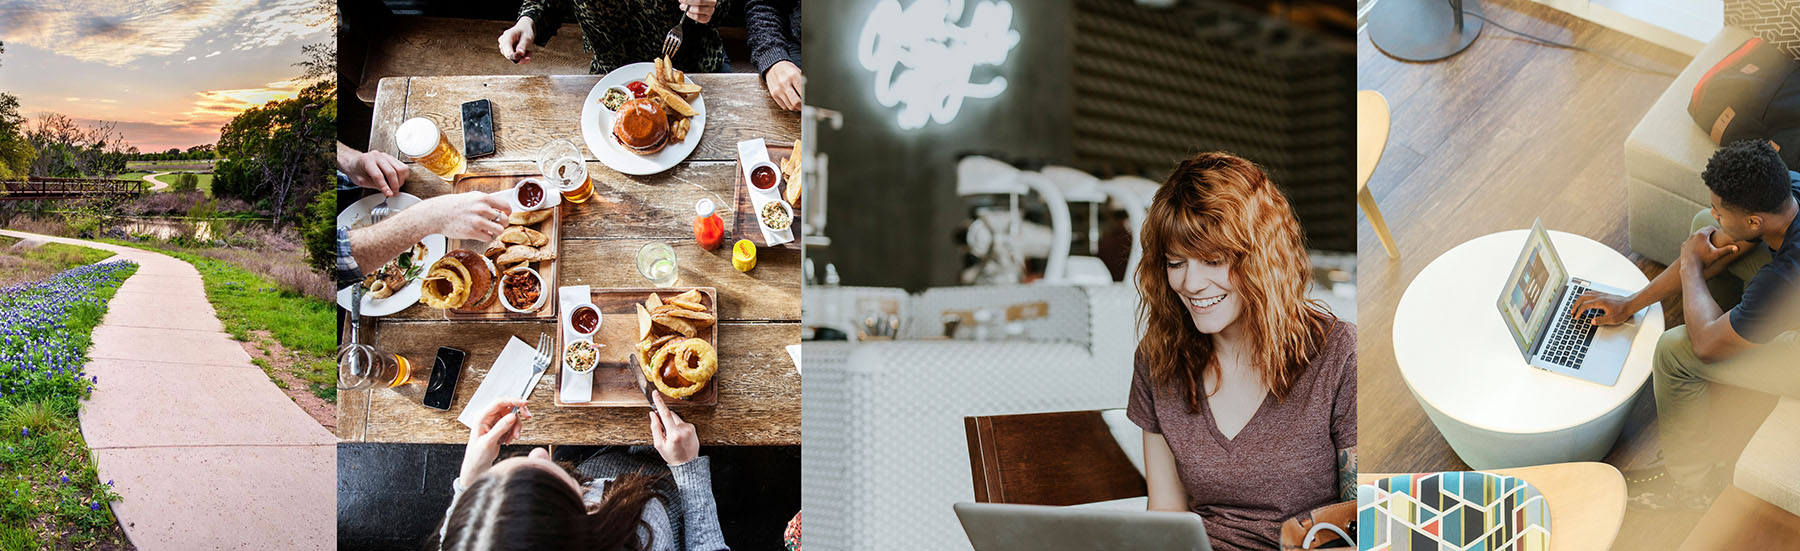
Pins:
x: 1531, y: 291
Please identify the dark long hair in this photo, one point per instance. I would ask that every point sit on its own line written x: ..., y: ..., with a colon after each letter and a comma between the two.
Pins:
x: 1222, y: 207
x: 533, y: 509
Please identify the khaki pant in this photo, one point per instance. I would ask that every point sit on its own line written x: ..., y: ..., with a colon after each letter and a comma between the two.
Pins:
x: 1680, y: 379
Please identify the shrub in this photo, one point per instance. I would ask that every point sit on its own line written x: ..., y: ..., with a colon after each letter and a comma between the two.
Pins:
x: 186, y: 181
x: 319, y: 225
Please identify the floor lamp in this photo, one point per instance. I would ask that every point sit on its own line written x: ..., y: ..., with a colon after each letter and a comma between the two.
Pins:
x: 1424, y: 30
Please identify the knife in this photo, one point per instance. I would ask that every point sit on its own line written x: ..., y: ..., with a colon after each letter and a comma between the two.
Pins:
x: 638, y: 373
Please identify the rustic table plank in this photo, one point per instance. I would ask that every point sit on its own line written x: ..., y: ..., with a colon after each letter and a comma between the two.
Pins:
x: 530, y: 111
x: 422, y: 46
x: 759, y: 391
x: 353, y: 414
x: 390, y: 108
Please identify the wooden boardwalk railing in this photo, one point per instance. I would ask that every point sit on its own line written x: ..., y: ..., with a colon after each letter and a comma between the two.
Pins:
x: 68, y: 188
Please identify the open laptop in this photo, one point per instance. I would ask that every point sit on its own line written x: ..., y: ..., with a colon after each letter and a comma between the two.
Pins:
x: 1009, y: 527
x: 1535, y: 304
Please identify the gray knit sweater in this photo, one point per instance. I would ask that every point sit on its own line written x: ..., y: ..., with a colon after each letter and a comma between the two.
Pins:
x: 699, y: 514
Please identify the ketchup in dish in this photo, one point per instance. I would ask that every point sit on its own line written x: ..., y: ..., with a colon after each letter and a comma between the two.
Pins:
x: 530, y: 194
x: 585, y: 320
x: 763, y: 177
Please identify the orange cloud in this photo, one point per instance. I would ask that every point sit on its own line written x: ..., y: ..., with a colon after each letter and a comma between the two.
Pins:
x: 115, y: 33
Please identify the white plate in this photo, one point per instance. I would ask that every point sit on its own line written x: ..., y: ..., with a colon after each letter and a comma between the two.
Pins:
x: 356, y: 216
x: 596, y: 128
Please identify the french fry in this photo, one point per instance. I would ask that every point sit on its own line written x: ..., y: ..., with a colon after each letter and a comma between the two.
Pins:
x: 673, y: 100
x: 683, y: 88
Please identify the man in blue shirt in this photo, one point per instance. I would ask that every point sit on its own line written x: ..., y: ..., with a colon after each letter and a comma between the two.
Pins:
x: 1736, y: 277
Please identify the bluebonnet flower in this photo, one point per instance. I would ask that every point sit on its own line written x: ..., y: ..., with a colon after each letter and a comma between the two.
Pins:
x: 94, y: 507
x: 65, y: 479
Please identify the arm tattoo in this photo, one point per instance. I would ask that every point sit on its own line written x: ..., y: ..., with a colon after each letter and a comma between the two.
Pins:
x: 1346, y: 471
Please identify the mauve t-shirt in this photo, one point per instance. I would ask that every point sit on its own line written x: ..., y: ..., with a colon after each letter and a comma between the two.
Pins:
x: 1282, y: 463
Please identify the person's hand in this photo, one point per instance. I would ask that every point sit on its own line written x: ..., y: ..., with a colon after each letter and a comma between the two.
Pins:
x: 471, y: 215
x: 375, y: 170
x: 1700, y: 250
x: 674, y: 439
x: 515, y: 43
x: 1613, y: 308
x: 783, y: 80
x: 699, y: 10
x: 498, y: 426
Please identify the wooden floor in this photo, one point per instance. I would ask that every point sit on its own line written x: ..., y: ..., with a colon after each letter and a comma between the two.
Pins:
x: 1483, y: 142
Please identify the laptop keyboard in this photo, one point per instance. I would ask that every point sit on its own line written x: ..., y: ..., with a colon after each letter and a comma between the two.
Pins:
x: 1567, y: 343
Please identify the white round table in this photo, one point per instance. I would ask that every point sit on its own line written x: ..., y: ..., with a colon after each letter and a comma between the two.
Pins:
x: 1496, y: 410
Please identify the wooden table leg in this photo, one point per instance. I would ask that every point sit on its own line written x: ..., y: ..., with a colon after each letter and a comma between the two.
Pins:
x: 1367, y: 201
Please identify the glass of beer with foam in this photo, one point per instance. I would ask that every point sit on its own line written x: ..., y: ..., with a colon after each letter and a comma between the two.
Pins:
x: 420, y: 139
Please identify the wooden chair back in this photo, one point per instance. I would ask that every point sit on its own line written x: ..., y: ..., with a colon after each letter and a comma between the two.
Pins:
x: 1060, y: 458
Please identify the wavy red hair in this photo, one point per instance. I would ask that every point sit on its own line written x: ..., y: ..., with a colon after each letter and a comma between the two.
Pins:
x: 1221, y: 207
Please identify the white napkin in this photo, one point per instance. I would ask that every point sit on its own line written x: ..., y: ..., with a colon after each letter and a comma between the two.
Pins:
x: 507, y: 379
x: 751, y: 152
x: 576, y: 387
x: 793, y: 351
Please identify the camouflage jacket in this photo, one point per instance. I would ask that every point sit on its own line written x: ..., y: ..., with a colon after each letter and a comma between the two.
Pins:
x: 622, y: 32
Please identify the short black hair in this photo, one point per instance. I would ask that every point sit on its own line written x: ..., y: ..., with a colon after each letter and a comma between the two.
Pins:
x: 1749, y: 176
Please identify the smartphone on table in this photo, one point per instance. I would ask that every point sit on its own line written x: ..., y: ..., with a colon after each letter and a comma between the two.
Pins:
x: 444, y: 372
x: 478, y: 128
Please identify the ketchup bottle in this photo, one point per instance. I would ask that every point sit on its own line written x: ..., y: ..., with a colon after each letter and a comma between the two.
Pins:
x: 709, y: 230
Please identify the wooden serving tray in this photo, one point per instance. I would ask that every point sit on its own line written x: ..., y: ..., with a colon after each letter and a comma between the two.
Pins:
x: 615, y: 381
x: 550, y: 269
x: 744, y: 224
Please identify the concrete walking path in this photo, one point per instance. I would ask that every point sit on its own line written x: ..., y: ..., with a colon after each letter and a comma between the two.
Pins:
x: 156, y: 184
x: 205, y: 450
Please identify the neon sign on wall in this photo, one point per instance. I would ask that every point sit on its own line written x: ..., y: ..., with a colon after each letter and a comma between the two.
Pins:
x: 924, y: 61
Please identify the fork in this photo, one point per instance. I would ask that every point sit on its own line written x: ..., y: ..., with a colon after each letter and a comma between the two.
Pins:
x: 539, y: 363
x: 672, y: 41
x: 380, y: 212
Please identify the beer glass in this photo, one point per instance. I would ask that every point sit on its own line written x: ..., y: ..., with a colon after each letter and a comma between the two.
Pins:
x: 361, y: 366
x: 426, y: 144
x: 561, y: 163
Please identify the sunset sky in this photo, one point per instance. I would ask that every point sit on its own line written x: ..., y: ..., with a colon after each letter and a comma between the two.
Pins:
x: 170, y: 73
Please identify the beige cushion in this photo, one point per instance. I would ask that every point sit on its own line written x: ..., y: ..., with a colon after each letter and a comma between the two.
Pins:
x: 1770, y: 466
x: 1667, y: 149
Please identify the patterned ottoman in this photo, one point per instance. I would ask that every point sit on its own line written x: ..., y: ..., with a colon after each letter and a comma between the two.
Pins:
x: 1458, y: 511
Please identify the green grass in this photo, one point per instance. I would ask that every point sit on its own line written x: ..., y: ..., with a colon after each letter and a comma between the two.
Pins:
x: 50, y: 493
x: 205, y: 181
x: 247, y: 302
x: 64, y: 256
x: 43, y: 261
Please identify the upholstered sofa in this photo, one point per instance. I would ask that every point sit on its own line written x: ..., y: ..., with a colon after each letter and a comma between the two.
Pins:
x: 1666, y: 151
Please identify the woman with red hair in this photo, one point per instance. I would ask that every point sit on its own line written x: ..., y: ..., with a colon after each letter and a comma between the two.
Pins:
x: 1245, y: 388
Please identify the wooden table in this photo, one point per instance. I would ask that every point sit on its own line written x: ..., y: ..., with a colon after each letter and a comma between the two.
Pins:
x: 759, y: 390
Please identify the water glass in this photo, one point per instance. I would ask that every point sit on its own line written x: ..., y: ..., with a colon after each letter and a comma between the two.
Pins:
x: 656, y: 262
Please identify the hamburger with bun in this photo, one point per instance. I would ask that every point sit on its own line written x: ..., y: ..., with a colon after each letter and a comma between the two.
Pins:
x: 641, y: 126
x: 461, y: 280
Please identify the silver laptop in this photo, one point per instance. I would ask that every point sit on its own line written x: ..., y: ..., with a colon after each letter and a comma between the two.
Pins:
x: 1535, y: 307
x: 1008, y: 527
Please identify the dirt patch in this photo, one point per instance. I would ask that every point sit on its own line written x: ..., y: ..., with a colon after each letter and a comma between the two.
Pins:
x: 282, y: 367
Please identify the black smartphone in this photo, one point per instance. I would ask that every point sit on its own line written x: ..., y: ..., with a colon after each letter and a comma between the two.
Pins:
x: 478, y: 128
x: 444, y: 372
